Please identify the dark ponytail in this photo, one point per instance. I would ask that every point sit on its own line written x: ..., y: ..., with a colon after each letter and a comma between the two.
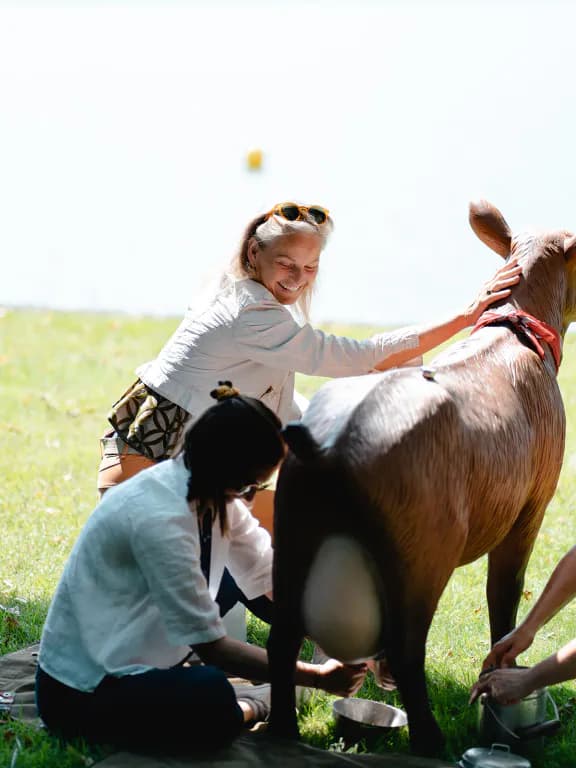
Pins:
x: 233, y: 444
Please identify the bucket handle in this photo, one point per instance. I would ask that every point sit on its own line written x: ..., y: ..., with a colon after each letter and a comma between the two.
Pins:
x: 529, y: 731
x: 500, y: 723
x: 541, y: 729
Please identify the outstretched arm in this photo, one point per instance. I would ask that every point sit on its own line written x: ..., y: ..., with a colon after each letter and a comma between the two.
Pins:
x: 432, y: 335
x: 507, y: 686
x: 559, y: 590
x: 250, y: 661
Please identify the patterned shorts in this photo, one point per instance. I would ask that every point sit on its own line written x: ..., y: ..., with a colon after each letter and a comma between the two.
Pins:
x: 147, y: 422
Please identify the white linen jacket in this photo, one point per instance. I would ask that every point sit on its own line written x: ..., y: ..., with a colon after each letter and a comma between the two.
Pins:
x: 132, y: 596
x: 247, y: 337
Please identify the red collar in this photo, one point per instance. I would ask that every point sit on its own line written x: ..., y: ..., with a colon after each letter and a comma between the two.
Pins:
x: 524, y: 324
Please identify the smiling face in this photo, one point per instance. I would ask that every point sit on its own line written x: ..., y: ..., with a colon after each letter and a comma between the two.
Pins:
x: 287, y: 265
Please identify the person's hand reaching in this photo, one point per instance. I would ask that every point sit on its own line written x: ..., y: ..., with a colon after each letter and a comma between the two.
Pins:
x: 504, y: 652
x: 341, y: 679
x: 496, y: 289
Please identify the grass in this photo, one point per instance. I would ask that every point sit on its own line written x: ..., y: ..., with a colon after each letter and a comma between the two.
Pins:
x: 59, y: 374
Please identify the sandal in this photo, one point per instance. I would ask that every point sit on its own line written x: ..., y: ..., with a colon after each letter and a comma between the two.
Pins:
x: 258, y: 699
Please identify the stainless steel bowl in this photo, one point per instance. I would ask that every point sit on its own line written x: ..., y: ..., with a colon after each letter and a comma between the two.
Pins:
x: 365, y: 720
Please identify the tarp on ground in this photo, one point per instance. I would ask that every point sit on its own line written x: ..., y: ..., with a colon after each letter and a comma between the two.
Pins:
x: 17, y: 672
x: 256, y: 751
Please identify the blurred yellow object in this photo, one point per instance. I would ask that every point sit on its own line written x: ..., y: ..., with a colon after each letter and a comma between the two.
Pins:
x: 254, y: 159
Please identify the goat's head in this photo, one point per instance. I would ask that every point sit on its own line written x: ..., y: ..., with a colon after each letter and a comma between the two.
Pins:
x: 548, y: 262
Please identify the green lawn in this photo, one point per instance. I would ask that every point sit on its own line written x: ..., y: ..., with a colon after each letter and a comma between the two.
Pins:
x: 59, y: 374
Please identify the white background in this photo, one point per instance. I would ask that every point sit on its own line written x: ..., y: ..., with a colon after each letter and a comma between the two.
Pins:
x: 124, y: 129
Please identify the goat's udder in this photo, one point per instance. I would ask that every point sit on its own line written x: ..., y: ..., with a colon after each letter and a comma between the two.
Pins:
x: 341, y: 607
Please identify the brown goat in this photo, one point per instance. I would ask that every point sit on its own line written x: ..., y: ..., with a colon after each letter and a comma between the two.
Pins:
x: 394, y: 480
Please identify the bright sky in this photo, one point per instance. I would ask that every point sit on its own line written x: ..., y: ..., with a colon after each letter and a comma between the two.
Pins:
x: 124, y: 129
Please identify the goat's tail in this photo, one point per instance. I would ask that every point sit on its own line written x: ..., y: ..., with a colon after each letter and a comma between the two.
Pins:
x: 300, y: 441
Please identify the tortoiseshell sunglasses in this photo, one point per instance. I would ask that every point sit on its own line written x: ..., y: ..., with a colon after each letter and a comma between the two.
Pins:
x: 295, y: 212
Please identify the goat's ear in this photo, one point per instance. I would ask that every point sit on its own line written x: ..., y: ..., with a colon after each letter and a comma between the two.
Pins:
x: 570, y: 250
x: 490, y: 226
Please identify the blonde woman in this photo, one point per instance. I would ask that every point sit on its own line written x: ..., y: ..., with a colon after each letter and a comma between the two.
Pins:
x: 254, y: 331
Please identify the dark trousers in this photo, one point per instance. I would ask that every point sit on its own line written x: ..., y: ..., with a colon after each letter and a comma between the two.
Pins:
x: 182, y: 709
x: 169, y: 710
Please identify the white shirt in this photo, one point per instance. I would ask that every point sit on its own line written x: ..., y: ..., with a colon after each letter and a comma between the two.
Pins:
x: 244, y: 335
x: 132, y: 596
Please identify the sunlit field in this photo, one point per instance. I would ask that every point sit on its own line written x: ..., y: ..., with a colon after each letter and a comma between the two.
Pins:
x: 59, y: 374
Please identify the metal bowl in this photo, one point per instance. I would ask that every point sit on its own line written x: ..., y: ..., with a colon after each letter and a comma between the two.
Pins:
x: 365, y: 720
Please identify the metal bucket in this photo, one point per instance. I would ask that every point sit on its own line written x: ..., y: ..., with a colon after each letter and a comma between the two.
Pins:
x: 365, y: 720
x: 513, y: 724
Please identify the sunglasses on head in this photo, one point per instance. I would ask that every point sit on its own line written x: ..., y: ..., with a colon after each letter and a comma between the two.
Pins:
x: 295, y: 212
x: 249, y: 491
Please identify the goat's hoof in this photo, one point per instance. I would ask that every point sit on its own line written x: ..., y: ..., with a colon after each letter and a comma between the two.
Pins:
x: 431, y: 744
x: 282, y: 733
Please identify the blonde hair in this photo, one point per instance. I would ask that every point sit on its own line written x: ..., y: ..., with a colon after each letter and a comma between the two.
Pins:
x: 266, y: 229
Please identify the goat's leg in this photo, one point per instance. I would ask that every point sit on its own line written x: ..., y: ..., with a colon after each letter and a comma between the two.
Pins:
x: 409, y: 611
x: 284, y: 641
x: 297, y: 533
x: 506, y: 568
x: 285, y: 638
x: 409, y: 607
x: 406, y: 651
x: 291, y: 562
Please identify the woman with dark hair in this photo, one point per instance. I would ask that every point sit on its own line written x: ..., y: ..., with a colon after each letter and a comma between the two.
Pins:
x: 136, y: 594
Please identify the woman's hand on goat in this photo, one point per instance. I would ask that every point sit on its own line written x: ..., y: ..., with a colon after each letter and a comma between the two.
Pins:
x: 340, y: 679
x: 433, y: 334
x: 496, y: 289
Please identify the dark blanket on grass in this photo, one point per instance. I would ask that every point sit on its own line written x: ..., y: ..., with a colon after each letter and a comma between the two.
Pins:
x: 17, y: 671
